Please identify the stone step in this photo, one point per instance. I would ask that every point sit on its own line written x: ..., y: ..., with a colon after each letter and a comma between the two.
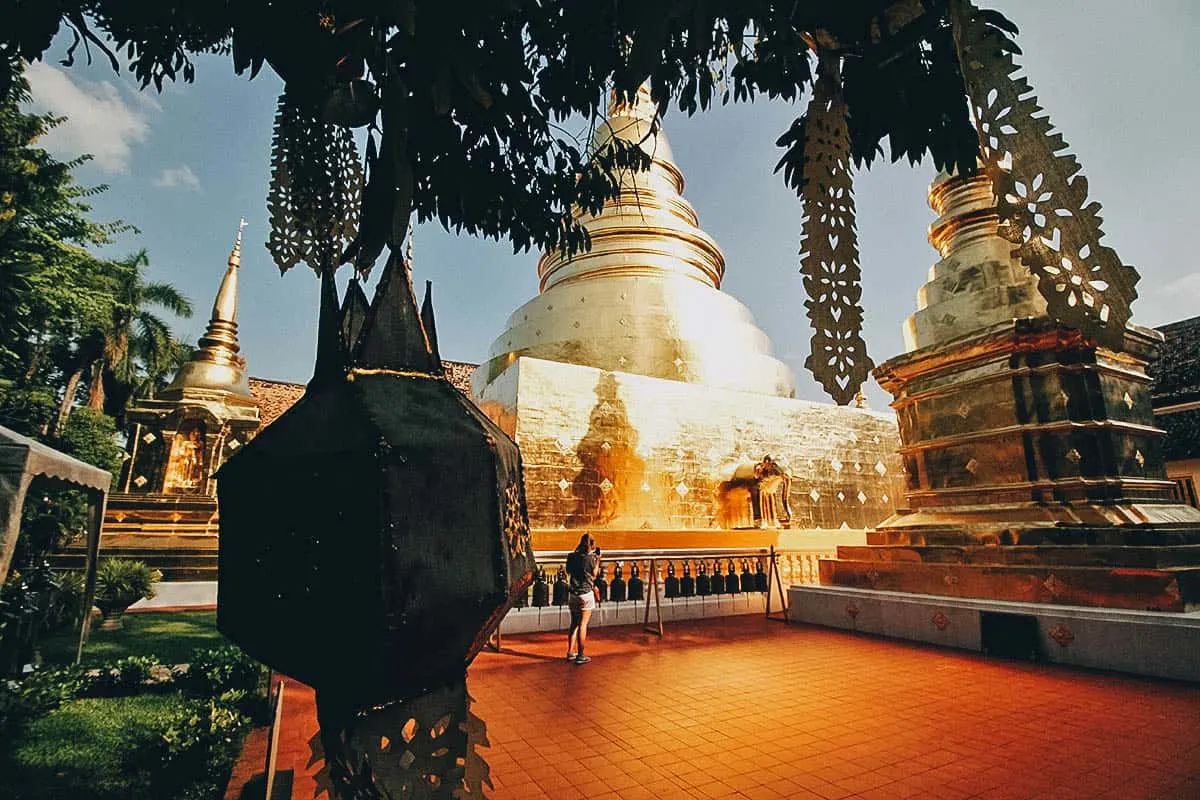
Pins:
x: 74, y: 560
x: 1175, y: 589
x: 1157, y: 536
x: 1048, y: 555
x: 171, y: 574
x: 193, y: 565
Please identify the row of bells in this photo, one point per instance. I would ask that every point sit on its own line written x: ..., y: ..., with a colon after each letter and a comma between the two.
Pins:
x: 546, y: 592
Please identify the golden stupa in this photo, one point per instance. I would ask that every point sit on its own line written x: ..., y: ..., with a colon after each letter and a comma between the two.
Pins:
x: 178, y: 439
x: 646, y: 399
x: 216, y: 365
x: 645, y: 299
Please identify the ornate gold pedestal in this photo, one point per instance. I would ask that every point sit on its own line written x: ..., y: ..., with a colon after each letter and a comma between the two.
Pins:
x: 1033, y: 468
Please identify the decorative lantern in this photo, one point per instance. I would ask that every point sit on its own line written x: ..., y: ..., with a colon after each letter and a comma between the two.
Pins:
x: 374, y: 536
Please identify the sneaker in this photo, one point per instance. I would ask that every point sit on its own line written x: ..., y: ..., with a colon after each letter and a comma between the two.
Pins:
x: 571, y: 656
x: 582, y: 660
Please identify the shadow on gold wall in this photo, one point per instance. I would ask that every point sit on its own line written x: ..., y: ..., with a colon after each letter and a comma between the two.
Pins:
x: 609, y: 481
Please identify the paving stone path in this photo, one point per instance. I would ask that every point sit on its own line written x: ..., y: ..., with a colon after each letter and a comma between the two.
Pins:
x: 744, y: 708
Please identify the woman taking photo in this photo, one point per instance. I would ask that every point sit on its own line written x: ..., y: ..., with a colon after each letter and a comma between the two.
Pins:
x: 583, y: 565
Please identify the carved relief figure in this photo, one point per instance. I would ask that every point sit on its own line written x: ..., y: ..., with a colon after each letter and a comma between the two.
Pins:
x: 755, y: 496
x: 185, y: 471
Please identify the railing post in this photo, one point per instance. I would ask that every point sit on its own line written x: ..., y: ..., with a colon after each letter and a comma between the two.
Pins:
x: 778, y: 583
x: 652, y: 589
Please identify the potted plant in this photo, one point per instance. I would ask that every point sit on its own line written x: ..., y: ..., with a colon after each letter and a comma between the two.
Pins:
x: 119, y: 584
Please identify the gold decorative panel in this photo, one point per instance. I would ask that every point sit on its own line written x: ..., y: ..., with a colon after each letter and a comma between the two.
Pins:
x: 614, y: 450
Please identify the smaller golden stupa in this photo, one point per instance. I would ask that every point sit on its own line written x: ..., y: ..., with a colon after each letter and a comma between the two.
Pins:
x: 179, y: 439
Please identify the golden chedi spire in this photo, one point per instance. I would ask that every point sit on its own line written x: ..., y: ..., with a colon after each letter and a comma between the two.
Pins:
x: 216, y: 365
x: 645, y: 299
x: 977, y: 282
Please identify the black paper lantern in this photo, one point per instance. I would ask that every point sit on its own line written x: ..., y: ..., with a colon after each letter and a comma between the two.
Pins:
x: 374, y: 536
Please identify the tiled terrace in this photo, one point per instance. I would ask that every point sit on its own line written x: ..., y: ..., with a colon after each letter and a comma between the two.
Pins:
x: 740, y: 707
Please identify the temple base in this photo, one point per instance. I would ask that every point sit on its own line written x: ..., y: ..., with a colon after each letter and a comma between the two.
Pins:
x: 1153, y: 565
x: 616, y: 451
x: 175, y: 534
x: 1139, y: 642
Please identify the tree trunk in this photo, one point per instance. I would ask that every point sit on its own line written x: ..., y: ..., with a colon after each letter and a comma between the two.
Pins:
x: 35, y: 358
x: 96, y: 387
x: 64, y: 405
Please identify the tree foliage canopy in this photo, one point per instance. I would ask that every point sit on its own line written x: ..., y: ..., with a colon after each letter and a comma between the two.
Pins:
x: 465, y: 102
x: 65, y: 313
x: 469, y: 95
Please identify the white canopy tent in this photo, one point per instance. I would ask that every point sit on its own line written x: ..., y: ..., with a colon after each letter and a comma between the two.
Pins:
x: 21, y: 460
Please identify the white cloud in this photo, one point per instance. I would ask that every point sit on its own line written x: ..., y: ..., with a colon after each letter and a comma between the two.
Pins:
x: 99, y: 120
x: 178, y: 177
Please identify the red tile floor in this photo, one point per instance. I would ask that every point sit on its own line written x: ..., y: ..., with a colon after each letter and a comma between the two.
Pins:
x: 741, y: 707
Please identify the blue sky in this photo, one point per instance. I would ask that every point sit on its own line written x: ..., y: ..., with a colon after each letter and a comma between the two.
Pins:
x: 1117, y: 78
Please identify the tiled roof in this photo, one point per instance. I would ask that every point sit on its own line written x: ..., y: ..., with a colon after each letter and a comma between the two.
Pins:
x: 276, y: 397
x: 1177, y: 371
x: 1183, y: 434
x: 459, y: 375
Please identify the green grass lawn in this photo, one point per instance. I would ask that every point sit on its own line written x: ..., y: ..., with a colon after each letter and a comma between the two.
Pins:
x: 76, y: 751
x: 170, y: 636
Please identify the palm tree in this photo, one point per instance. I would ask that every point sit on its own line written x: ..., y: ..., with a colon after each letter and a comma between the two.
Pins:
x: 137, y: 339
x: 127, y: 341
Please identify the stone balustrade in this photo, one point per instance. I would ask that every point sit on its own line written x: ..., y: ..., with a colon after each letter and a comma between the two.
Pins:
x: 685, y: 580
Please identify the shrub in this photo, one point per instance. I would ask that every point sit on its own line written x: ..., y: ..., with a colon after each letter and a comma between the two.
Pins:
x: 66, y: 604
x: 186, y: 753
x: 13, y: 709
x: 121, y: 582
x: 190, y: 754
x: 91, y: 436
x: 129, y: 676
x: 213, y: 672
x: 39, y: 694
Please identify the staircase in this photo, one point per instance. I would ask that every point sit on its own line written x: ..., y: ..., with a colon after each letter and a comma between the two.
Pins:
x: 1151, y: 570
x: 178, y: 564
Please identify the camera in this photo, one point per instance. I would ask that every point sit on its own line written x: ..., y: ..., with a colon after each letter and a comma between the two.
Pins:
x: 596, y: 551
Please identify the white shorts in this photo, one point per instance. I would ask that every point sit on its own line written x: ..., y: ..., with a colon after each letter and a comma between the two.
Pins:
x: 583, y: 602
